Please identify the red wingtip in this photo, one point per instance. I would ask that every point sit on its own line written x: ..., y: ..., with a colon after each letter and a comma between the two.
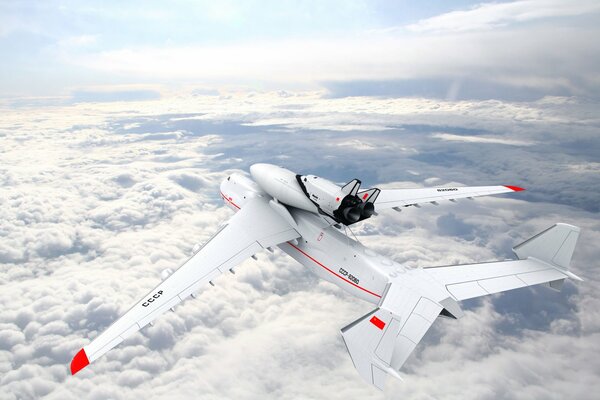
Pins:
x: 514, y: 188
x: 79, y: 362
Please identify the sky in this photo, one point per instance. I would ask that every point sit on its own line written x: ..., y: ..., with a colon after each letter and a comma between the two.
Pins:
x: 522, y: 50
x: 119, y: 121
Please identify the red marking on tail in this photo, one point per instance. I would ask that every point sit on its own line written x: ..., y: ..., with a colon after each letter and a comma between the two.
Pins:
x: 365, y: 195
x: 514, y: 188
x: 377, y: 322
x: 79, y: 362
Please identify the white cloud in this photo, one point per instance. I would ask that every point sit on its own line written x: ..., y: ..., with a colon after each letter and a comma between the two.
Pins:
x: 501, y: 14
x: 98, y: 198
x: 78, y: 41
x: 544, y: 57
x: 481, y: 139
x: 585, y: 168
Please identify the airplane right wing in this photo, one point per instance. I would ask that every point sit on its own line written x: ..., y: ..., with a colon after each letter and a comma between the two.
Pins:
x: 395, y: 198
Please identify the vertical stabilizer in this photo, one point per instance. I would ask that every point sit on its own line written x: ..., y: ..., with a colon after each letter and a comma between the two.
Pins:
x: 351, y: 188
x: 380, y: 342
x: 554, y: 246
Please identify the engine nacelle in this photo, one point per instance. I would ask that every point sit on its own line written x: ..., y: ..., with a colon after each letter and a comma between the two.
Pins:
x: 166, y: 273
x: 197, y: 247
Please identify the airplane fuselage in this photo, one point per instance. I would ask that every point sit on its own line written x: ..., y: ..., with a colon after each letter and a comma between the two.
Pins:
x: 324, y: 249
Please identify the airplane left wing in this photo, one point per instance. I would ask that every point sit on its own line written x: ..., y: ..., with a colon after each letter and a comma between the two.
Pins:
x: 255, y: 227
x: 395, y: 198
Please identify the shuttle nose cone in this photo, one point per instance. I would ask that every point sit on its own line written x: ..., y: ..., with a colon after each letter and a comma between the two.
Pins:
x: 260, y: 172
x: 281, y: 184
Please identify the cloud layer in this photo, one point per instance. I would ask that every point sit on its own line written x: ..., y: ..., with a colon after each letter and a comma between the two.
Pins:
x: 97, y: 198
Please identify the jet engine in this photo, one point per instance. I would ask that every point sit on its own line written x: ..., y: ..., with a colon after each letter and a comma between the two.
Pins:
x: 344, y: 204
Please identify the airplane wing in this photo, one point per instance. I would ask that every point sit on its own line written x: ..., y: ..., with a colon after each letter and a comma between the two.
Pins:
x: 380, y: 342
x: 255, y: 227
x: 396, y: 198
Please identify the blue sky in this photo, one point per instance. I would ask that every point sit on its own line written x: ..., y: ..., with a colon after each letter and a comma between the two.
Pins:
x: 155, y: 23
x: 57, y: 47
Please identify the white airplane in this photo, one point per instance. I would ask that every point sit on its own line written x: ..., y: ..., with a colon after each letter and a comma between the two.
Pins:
x: 305, y: 216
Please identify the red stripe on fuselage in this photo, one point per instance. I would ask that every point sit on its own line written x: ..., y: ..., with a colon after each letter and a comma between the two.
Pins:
x: 339, y: 276
x: 315, y: 261
x: 229, y: 201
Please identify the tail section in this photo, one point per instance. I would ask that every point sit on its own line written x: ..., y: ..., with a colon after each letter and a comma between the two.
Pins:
x: 380, y: 342
x: 351, y: 188
x: 366, y: 337
x: 369, y: 195
x: 554, y: 246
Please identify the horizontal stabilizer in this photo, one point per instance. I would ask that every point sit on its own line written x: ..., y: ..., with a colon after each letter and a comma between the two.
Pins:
x: 543, y: 259
x: 380, y: 342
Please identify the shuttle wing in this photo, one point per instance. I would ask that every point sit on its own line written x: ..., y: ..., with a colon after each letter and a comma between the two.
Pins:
x: 396, y: 198
x: 255, y: 227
